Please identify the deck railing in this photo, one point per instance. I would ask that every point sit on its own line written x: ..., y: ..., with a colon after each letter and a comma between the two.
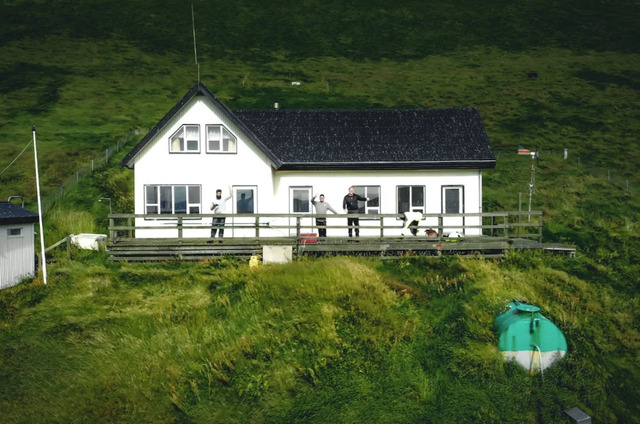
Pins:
x: 510, y: 224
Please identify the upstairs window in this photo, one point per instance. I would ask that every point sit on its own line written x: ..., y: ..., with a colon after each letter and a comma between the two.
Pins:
x: 185, y: 140
x: 220, y: 140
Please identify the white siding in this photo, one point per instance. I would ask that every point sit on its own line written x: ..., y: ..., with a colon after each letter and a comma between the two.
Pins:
x: 250, y: 167
x: 17, y: 254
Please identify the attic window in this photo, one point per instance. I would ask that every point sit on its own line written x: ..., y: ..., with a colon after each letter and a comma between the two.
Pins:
x: 185, y: 140
x: 220, y: 140
x: 14, y: 232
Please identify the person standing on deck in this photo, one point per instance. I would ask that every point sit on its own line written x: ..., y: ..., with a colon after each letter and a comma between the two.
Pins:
x: 350, y: 206
x: 322, y: 208
x: 219, y: 206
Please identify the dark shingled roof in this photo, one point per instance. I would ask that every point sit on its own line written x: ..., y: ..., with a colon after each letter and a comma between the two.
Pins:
x: 12, y: 214
x: 373, y: 139
x: 354, y: 139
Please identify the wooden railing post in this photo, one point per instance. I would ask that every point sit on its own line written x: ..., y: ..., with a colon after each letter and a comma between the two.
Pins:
x: 111, y: 230
x: 130, y: 230
x: 540, y: 227
x: 381, y: 226
x: 180, y: 227
x: 506, y: 225
x: 257, y: 226
x: 440, y: 225
x: 298, y: 222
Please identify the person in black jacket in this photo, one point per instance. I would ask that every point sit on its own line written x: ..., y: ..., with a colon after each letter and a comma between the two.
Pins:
x: 350, y: 206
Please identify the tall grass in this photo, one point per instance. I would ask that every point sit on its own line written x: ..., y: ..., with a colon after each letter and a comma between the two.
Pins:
x: 334, y: 339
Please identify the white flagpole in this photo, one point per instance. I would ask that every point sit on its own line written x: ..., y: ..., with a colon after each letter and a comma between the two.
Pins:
x: 44, y: 258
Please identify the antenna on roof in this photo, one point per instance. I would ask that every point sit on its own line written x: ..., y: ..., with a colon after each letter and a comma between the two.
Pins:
x: 195, y: 51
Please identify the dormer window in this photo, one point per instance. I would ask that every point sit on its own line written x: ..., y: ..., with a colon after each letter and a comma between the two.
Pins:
x: 220, y: 140
x: 185, y: 140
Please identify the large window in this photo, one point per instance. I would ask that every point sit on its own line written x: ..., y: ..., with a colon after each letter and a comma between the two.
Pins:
x: 185, y: 140
x: 245, y: 199
x: 411, y: 199
x: 300, y: 199
x: 371, y: 206
x: 452, y: 199
x: 220, y: 140
x: 172, y: 199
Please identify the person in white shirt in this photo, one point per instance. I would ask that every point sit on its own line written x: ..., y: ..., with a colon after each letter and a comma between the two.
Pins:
x: 219, y: 206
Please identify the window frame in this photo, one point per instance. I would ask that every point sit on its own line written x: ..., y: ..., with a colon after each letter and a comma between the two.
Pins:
x: 19, y: 235
x: 443, y: 199
x: 363, y: 190
x: 412, y: 208
x: 237, y: 197
x: 183, y: 128
x: 309, y: 190
x: 189, y: 203
x: 221, y: 151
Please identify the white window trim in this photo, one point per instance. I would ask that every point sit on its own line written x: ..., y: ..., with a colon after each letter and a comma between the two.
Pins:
x: 309, y: 189
x: 183, y: 127
x: 236, y: 197
x: 460, y: 197
x: 222, y: 129
x: 19, y: 235
x: 173, y: 186
x: 367, y: 208
x: 412, y: 208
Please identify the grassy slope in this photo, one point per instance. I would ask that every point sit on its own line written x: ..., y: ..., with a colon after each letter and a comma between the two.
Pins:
x: 145, y: 341
x: 330, y: 340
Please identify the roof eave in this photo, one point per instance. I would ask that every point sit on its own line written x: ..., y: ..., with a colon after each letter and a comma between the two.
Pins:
x: 372, y: 166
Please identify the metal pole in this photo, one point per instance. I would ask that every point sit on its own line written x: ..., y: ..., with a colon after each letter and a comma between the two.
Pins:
x: 44, y: 258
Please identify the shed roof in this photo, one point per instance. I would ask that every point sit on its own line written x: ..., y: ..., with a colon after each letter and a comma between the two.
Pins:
x: 452, y: 138
x: 12, y: 214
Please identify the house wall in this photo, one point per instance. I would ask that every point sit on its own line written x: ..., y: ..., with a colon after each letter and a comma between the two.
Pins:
x: 17, y: 254
x: 250, y: 167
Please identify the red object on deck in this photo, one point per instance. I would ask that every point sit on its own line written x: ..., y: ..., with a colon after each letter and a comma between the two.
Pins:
x: 308, y: 238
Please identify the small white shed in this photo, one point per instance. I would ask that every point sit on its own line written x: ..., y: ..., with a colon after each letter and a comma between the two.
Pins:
x: 17, y: 250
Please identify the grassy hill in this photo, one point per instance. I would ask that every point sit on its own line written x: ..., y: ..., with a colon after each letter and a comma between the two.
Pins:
x: 328, y: 340
x: 338, y: 339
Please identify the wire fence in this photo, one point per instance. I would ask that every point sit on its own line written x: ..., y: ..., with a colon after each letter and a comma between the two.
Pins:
x: 98, y: 162
x: 627, y: 181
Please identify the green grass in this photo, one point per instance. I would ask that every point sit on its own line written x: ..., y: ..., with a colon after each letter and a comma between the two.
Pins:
x: 336, y: 339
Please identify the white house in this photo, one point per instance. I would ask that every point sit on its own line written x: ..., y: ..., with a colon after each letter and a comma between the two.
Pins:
x: 275, y: 161
x: 17, y: 251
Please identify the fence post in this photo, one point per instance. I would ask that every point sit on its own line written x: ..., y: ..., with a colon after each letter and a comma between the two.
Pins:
x: 382, y: 226
x: 506, y: 225
x: 440, y: 226
x: 180, y: 227
x: 257, y: 226
x: 130, y: 231
x: 111, y: 230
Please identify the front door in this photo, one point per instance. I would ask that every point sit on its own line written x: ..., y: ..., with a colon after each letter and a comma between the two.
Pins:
x: 453, y: 203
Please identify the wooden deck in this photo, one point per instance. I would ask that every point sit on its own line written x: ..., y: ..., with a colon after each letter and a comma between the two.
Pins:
x: 504, y: 231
